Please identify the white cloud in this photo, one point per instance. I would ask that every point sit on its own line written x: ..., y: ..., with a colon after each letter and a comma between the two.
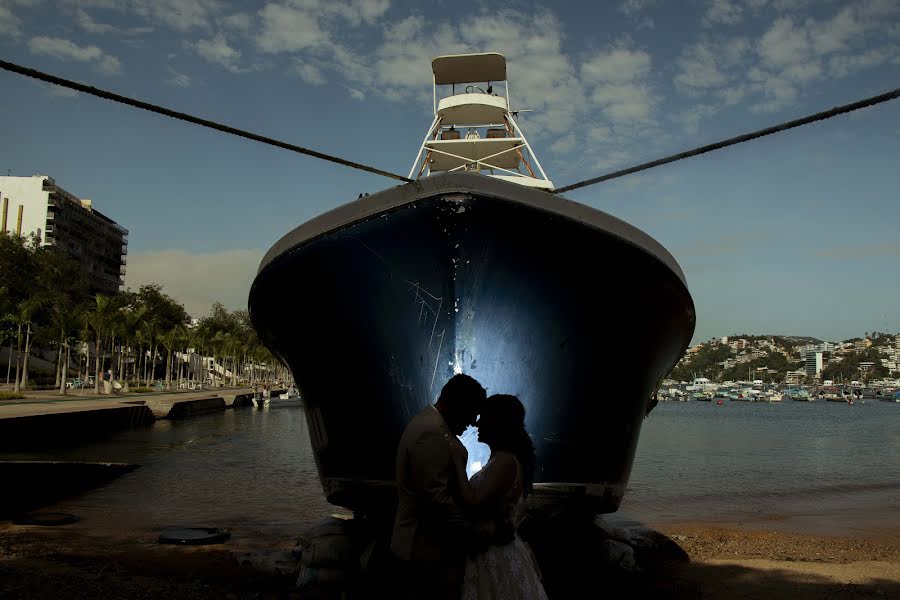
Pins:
x: 217, y: 50
x: 181, y: 15
x: 617, y: 65
x: 723, y: 12
x: 692, y: 117
x: 178, y: 79
x: 309, y: 73
x: 9, y: 23
x: 65, y: 50
x: 59, y: 91
x: 633, y: 7
x: 240, y: 22
x: 563, y: 145
x: 784, y: 44
x: 619, y: 81
x: 773, y: 71
x: 87, y: 23
x: 309, y: 24
x: 197, y: 280
x: 599, y: 133
x: 542, y: 78
x: 361, y: 11
x: 699, y: 69
x: 287, y: 29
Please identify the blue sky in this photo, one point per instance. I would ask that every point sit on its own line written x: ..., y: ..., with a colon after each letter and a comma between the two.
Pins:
x: 795, y: 234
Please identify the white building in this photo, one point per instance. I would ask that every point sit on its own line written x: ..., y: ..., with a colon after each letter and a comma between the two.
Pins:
x: 36, y: 205
x: 813, y: 364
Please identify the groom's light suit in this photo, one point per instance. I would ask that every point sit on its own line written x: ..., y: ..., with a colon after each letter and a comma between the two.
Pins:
x: 430, y: 527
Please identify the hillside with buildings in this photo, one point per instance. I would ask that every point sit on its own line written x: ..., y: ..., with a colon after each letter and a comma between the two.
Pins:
x: 792, y: 359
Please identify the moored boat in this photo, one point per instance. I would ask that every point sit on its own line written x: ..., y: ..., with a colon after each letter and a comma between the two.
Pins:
x: 375, y: 304
x: 797, y: 393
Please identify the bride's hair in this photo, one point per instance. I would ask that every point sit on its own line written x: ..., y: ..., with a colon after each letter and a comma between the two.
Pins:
x: 513, y: 436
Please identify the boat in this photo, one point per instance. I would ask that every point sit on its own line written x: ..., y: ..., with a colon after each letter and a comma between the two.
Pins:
x: 797, y: 393
x: 891, y: 398
x: 290, y: 397
x: 475, y: 267
x: 830, y: 393
x: 291, y: 392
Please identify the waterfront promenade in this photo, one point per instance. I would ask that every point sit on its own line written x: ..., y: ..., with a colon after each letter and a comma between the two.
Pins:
x: 50, y: 418
x: 48, y: 402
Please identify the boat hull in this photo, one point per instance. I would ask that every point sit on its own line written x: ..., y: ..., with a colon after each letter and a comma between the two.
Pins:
x: 376, y: 305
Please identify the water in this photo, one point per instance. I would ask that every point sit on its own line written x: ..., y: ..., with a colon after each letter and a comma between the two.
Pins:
x: 804, y: 466
x: 823, y: 467
x: 245, y: 469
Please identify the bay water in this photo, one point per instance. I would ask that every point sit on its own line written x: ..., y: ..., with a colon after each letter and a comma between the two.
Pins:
x: 818, y: 467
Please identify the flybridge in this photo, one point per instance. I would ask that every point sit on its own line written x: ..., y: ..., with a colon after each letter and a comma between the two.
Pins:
x: 474, y: 129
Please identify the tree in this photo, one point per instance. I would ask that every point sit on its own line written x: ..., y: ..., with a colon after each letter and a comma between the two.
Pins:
x: 161, y: 314
x: 26, y: 311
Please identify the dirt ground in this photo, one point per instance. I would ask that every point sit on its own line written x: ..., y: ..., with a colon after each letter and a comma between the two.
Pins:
x: 737, y: 563
x: 69, y: 563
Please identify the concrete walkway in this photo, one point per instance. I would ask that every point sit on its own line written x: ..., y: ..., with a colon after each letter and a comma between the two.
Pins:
x: 161, y: 403
x: 51, y: 418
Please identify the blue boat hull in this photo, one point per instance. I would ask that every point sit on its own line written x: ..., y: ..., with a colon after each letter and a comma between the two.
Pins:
x: 373, y: 309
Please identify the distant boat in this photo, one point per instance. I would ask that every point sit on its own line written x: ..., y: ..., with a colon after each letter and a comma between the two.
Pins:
x: 894, y: 398
x: 799, y: 394
x: 292, y: 392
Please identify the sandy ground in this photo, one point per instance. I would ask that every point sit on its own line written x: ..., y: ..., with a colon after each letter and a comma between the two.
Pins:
x: 738, y: 563
x: 70, y: 563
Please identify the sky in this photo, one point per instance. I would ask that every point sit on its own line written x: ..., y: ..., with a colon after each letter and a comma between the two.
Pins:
x: 794, y: 234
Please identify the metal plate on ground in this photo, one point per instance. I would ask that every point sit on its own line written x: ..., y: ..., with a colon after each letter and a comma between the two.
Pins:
x: 194, y: 536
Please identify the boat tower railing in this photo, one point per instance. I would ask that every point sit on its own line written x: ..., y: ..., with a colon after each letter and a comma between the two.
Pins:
x: 476, y: 130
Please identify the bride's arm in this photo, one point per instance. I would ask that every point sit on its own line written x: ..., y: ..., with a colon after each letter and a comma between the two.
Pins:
x: 498, y: 477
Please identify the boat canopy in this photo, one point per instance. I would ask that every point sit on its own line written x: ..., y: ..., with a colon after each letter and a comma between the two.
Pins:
x: 469, y: 68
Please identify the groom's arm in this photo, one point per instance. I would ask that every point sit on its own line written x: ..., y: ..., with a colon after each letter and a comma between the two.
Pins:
x: 431, y: 470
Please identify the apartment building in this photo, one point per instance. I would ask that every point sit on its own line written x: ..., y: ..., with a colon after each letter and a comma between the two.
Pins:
x: 37, y: 205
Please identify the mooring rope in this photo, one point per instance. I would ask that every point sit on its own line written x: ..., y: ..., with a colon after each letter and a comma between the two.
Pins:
x: 192, y: 119
x: 838, y: 110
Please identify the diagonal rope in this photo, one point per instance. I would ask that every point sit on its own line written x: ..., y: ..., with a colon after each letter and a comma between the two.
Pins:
x: 838, y: 110
x: 299, y: 149
x: 191, y: 119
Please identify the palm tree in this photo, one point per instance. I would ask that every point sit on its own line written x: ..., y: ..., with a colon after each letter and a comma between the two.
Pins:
x: 131, y: 317
x: 65, y: 318
x: 100, y: 320
x: 27, y: 309
x: 169, y: 340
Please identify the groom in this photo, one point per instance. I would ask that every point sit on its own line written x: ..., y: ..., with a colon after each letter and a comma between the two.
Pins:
x: 432, y: 535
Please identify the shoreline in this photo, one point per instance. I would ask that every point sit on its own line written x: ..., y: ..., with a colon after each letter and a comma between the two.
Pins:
x: 725, y: 561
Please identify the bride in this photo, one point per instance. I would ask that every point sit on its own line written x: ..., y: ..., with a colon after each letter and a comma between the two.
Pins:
x: 498, y: 492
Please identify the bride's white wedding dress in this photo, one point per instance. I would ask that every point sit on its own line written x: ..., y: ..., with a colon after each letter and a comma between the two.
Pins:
x: 509, y: 571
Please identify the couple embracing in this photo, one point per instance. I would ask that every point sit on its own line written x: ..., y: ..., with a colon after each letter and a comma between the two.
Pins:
x: 456, y: 537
